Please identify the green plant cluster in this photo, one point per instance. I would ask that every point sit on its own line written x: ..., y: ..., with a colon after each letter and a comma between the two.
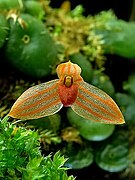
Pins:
x: 36, y: 37
x: 111, y: 147
x: 21, y: 158
x: 28, y: 45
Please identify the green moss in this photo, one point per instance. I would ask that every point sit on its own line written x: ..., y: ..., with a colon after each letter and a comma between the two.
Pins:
x: 20, y: 156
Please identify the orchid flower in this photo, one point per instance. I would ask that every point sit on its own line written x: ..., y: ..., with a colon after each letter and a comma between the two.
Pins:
x: 70, y: 90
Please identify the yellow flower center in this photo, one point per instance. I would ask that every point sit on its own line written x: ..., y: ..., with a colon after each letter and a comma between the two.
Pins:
x: 68, y: 81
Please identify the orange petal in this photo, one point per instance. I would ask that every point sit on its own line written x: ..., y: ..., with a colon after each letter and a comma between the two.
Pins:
x: 38, y: 101
x: 94, y: 104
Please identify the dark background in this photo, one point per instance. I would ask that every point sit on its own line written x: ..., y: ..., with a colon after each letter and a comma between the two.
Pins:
x: 122, y: 8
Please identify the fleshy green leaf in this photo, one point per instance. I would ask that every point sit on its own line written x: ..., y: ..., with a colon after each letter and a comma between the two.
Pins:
x: 88, y: 129
x: 78, y: 157
x: 113, y: 157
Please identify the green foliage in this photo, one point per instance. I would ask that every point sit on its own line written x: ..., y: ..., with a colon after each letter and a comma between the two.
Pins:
x: 34, y: 8
x: 20, y: 156
x: 30, y: 48
x: 65, y: 34
x: 127, y: 100
x: 3, y: 29
x: 46, y: 168
x: 129, y: 86
x: 49, y: 122
x: 77, y: 11
x: 117, y: 35
x: 114, y: 156
x: 127, y: 104
x: 92, y: 131
x: 78, y: 156
x: 8, y: 5
x: 17, y: 146
x: 48, y: 128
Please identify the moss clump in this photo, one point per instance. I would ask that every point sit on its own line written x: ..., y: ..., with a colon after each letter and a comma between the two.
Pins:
x: 21, y: 158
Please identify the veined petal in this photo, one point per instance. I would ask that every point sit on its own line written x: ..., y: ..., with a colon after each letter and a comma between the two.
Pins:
x: 38, y: 101
x: 94, y: 104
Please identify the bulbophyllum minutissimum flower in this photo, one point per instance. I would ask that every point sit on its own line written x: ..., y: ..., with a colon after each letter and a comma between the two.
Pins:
x: 69, y: 90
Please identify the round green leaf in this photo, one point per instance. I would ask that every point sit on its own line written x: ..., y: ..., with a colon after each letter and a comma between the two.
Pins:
x: 88, y: 129
x: 113, y: 157
x: 30, y: 48
x: 79, y: 157
x: 118, y: 37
